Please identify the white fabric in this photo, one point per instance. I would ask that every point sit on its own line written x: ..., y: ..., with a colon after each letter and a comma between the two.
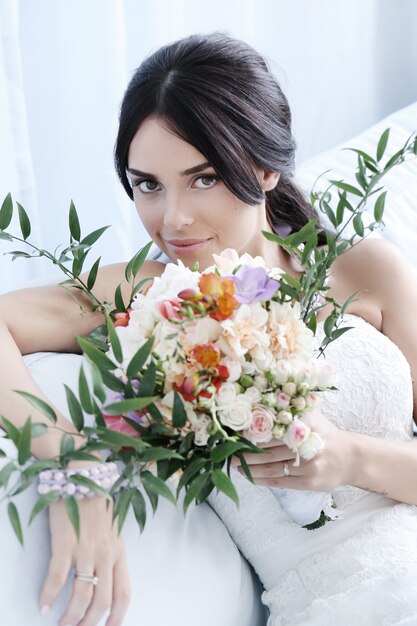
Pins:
x: 361, y: 568
x: 183, y: 571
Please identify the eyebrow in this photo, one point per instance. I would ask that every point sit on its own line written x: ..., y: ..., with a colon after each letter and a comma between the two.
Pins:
x: 192, y: 170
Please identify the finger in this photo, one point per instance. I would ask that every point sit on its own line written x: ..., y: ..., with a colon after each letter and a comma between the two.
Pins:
x: 121, y: 592
x: 82, y: 593
x: 271, y: 444
x: 273, y: 455
x: 274, y: 470
x: 102, y: 597
x: 287, y: 482
x: 59, y: 568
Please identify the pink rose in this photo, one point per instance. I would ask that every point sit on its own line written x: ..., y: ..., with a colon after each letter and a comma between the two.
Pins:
x: 297, y: 433
x: 283, y: 400
x: 260, y: 430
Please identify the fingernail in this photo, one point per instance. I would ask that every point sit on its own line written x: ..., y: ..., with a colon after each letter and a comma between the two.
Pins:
x: 45, y: 609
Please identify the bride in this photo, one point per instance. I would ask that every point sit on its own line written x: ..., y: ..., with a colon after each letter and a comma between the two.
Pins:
x: 205, y: 151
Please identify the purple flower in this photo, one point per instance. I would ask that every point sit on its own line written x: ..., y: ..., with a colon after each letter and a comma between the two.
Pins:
x: 253, y: 284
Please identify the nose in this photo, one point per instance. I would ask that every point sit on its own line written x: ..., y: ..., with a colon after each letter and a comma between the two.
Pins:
x: 178, y: 214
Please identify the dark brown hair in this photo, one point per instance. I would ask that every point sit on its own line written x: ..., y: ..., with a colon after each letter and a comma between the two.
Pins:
x: 218, y: 94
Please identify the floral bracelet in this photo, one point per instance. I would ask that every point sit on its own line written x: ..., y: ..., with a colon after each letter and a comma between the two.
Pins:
x: 103, y: 474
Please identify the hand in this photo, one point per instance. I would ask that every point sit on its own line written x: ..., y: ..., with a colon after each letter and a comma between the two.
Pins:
x: 99, y: 551
x: 324, y: 472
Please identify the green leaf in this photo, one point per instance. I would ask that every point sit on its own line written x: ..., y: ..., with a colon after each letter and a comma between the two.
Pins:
x: 98, y: 386
x: 43, y: 502
x: 91, y: 279
x: 75, y: 409
x: 179, y: 416
x: 67, y: 444
x: 92, y: 237
x: 139, y: 359
x: 114, y: 339
x: 78, y: 263
x: 24, y: 221
x: 6, y: 212
x: 195, y: 488
x: 5, y: 236
x: 25, y: 442
x: 346, y: 187
x: 6, y: 471
x: 155, y: 484
x: 79, y: 479
x: 16, y: 254
x: 126, y: 406
x: 74, y: 224
x: 122, y: 506
x: 137, y: 261
x: 120, y: 440
x: 379, y: 207
x: 382, y: 144
x: 84, y: 393
x: 15, y: 521
x: 340, y: 331
x: 224, y: 484
x: 96, y: 355
x: 193, y: 468
x: 139, y: 508
x: 39, y: 404
x: 118, y: 300
x: 358, y: 225
x: 147, y: 383
x: 71, y: 506
x: 12, y: 431
x: 159, y: 454
x: 224, y: 450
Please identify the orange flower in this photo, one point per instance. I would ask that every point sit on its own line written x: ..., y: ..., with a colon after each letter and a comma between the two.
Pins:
x: 208, y: 355
x: 220, y: 291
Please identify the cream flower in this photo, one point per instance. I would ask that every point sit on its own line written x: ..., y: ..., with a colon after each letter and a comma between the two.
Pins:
x: 174, y: 279
x: 288, y: 334
x: 244, y: 331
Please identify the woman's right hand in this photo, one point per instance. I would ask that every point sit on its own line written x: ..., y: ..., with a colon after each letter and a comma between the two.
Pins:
x: 100, y: 552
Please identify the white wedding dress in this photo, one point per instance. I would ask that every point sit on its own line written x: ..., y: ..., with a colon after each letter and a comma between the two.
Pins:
x: 361, y: 569
x: 184, y: 571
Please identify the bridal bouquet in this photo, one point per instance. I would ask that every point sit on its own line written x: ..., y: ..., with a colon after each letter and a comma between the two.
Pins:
x: 201, y: 366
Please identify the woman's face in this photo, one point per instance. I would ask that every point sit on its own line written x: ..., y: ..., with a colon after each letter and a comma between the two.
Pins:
x: 185, y: 207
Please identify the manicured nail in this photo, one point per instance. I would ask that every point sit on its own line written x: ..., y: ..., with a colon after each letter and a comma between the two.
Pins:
x: 45, y: 609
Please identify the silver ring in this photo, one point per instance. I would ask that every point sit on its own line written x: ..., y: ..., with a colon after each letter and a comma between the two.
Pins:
x: 286, y: 469
x: 87, y: 578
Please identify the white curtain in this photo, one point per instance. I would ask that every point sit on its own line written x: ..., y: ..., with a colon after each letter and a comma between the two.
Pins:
x: 344, y: 65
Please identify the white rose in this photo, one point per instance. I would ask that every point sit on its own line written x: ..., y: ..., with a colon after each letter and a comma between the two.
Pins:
x: 284, y: 417
x: 326, y: 376
x: 289, y: 388
x: 298, y: 403
x: 275, y: 273
x: 282, y: 372
x: 260, y: 382
x: 174, y: 279
x: 237, y: 417
x: 251, y: 396
x: 226, y: 395
x: 201, y: 430
x: 248, y: 367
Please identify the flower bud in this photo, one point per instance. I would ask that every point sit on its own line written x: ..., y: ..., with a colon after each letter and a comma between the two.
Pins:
x: 303, y: 389
x: 246, y: 381
x: 269, y: 399
x: 290, y: 389
x: 284, y: 417
x: 278, y: 431
x: 298, y: 403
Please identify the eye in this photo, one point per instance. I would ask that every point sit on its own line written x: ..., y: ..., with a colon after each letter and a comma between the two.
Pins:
x: 145, y: 182
x: 207, y: 177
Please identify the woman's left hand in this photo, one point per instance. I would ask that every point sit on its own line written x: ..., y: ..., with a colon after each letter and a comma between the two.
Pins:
x: 325, y: 471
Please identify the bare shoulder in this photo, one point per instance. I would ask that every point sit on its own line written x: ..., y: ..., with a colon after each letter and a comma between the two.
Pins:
x: 372, y: 264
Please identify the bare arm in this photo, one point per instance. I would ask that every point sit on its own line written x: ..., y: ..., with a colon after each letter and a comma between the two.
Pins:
x: 49, y: 319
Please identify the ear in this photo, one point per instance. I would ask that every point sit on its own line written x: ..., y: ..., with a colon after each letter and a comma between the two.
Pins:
x: 269, y: 180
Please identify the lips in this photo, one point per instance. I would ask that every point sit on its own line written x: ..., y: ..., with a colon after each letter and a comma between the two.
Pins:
x: 187, y: 246
x: 184, y: 242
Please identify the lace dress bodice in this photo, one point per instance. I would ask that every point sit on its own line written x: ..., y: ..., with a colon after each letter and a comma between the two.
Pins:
x: 322, y: 576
